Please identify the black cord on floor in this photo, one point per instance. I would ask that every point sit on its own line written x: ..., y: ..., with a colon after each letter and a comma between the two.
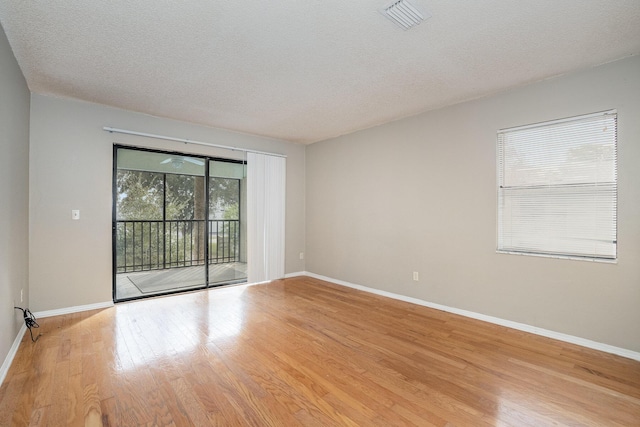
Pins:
x: 29, y: 321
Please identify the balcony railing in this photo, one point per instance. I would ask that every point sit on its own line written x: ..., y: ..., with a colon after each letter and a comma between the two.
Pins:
x: 157, y: 245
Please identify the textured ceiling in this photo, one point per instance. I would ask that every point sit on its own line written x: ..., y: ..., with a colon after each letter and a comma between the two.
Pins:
x: 304, y: 71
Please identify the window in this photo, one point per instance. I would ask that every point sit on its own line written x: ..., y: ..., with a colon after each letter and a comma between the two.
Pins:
x: 557, y: 188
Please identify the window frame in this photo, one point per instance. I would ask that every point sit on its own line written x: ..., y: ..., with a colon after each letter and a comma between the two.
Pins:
x: 502, y: 200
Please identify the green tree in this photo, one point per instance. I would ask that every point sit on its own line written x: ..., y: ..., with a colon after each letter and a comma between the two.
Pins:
x: 149, y: 243
x: 224, y: 194
x: 140, y: 195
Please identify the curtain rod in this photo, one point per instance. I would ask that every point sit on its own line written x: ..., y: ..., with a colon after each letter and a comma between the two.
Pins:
x: 187, y: 141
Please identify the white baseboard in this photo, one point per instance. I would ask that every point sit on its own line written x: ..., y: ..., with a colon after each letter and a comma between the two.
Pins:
x: 40, y: 314
x: 75, y: 309
x: 296, y: 274
x: 12, y: 353
x: 496, y: 320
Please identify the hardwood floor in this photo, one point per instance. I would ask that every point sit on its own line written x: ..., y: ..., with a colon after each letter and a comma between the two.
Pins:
x: 305, y: 352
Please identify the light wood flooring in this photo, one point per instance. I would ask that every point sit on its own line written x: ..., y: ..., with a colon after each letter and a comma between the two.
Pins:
x: 305, y: 352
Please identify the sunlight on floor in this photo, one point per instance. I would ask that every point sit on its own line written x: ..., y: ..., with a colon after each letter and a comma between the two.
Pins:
x: 140, y: 341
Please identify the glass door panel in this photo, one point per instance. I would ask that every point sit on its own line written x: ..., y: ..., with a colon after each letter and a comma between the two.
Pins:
x: 159, y: 223
x: 227, y: 227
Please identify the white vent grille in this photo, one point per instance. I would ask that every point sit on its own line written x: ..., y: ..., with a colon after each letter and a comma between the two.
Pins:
x: 404, y: 14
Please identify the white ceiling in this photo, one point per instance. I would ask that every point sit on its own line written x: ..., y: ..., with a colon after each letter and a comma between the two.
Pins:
x: 304, y: 71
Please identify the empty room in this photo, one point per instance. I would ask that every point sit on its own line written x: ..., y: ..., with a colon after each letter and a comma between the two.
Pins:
x: 361, y: 213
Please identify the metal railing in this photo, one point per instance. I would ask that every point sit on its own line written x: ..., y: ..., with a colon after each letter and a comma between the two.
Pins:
x: 156, y: 245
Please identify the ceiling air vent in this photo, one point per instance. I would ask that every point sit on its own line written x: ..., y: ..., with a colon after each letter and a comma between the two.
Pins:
x: 404, y: 14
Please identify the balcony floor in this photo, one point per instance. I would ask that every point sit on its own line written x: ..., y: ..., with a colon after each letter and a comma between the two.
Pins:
x: 158, y: 282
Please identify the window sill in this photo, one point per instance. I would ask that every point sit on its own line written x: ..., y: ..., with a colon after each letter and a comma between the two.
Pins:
x: 574, y: 258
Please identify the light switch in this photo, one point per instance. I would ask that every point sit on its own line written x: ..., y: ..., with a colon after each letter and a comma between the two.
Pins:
x: 75, y: 214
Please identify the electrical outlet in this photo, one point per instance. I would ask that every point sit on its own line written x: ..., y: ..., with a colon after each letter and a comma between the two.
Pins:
x: 21, y: 295
x: 301, y: 255
x: 415, y: 276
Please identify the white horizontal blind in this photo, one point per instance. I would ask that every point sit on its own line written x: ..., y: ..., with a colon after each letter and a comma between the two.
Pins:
x: 557, y: 187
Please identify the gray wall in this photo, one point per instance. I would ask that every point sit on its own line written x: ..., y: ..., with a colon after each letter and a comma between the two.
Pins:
x: 419, y: 194
x: 71, y: 168
x: 14, y: 195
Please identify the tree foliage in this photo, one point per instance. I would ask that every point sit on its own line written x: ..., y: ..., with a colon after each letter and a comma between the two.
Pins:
x: 149, y: 243
x: 141, y: 196
x: 224, y: 194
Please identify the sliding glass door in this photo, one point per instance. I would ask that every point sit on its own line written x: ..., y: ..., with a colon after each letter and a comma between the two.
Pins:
x: 227, y: 258
x: 177, y: 223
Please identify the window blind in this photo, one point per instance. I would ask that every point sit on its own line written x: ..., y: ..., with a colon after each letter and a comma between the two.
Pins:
x: 266, y: 187
x: 557, y: 187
